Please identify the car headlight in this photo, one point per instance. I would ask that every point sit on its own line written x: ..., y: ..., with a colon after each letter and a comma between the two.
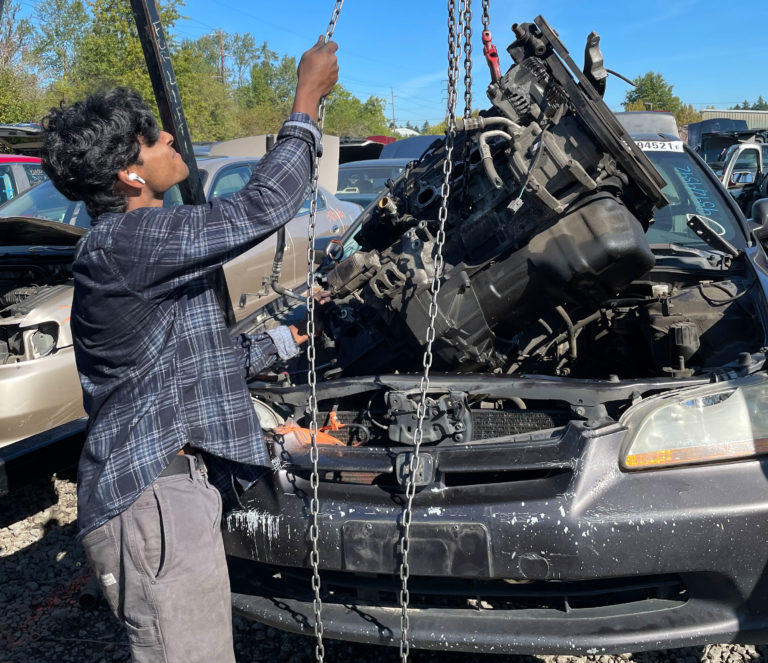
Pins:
x: 718, y: 422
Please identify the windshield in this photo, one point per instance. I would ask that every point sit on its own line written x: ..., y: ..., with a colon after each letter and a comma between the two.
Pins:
x: 366, y: 179
x: 689, y: 190
x: 45, y: 202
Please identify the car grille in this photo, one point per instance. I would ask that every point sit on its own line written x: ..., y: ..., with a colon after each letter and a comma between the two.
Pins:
x: 449, y: 593
x: 487, y: 424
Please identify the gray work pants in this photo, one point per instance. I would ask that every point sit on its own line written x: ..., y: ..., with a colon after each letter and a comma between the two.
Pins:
x: 161, y: 567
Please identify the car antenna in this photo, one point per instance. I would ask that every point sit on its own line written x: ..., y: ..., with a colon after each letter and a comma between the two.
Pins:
x: 314, y: 506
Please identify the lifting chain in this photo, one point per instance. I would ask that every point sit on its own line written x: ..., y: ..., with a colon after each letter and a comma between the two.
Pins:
x: 486, y: 15
x: 465, y: 23
x: 312, y: 375
x: 465, y: 9
x: 413, y: 465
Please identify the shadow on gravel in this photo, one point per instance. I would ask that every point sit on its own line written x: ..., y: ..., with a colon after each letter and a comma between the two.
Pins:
x: 43, y: 573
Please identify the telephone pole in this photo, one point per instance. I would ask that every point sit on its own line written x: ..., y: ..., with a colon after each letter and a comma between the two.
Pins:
x: 221, y: 54
x: 392, y: 92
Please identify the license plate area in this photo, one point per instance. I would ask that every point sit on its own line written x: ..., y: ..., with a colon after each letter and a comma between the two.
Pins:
x: 459, y: 549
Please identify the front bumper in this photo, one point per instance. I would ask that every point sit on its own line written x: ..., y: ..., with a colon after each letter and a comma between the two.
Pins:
x: 537, y: 546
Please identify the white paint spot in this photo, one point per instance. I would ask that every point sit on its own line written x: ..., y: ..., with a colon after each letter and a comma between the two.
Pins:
x: 435, y: 511
x: 256, y: 523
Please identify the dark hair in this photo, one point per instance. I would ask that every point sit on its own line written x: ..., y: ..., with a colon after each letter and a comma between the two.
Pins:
x: 89, y: 142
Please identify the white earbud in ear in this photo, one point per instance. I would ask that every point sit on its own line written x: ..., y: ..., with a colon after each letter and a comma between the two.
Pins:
x: 136, y: 178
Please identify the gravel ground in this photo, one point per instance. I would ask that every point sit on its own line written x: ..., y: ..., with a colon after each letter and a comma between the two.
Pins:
x: 43, y: 573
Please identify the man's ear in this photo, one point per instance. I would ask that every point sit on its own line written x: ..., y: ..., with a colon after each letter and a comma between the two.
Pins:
x: 130, y: 179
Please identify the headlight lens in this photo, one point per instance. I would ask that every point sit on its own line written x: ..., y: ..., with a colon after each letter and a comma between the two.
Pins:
x: 718, y: 422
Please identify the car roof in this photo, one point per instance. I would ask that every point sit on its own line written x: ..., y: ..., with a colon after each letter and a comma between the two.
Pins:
x: 648, y: 122
x: 17, y: 158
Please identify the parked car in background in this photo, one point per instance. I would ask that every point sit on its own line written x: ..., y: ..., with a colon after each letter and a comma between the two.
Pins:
x: 408, y: 148
x: 362, y: 181
x: 744, y: 172
x: 39, y: 387
x: 17, y: 174
x: 595, y: 419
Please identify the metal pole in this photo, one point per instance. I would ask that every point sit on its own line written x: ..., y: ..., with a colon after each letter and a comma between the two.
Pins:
x: 158, y: 59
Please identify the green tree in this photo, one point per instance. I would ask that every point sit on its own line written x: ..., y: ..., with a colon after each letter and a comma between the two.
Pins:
x: 60, y: 30
x: 20, y: 98
x: 687, y: 114
x: 272, y: 81
x: 434, y: 129
x: 17, y: 36
x: 208, y: 103
x: 110, y: 53
x: 346, y: 115
x: 634, y: 106
x: 242, y: 50
x: 654, y: 92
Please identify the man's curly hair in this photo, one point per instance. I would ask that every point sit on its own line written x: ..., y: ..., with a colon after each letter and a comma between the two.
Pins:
x: 89, y: 142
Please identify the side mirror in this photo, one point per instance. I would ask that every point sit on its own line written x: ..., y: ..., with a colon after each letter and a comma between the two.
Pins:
x: 330, y: 247
x: 741, y: 178
x: 760, y: 218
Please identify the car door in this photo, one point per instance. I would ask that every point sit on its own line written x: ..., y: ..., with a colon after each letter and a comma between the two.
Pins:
x: 246, y: 274
x: 330, y: 221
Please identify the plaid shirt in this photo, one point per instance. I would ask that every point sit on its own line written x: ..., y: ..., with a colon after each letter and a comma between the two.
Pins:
x: 158, y: 367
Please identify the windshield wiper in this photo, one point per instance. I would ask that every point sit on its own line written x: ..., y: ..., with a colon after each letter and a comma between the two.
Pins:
x: 710, y: 259
x: 702, y: 226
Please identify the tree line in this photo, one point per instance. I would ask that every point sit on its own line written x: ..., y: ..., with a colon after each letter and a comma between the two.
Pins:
x: 652, y: 92
x: 760, y: 105
x: 230, y: 84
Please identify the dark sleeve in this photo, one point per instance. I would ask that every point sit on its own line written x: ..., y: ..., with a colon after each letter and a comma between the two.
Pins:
x: 157, y: 250
x: 260, y: 351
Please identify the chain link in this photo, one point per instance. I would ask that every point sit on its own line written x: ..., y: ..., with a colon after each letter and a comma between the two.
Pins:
x: 413, y: 465
x: 314, y: 531
x: 486, y: 15
x: 465, y: 12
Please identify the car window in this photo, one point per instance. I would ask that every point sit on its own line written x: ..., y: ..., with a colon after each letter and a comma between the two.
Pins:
x: 44, y: 201
x: 172, y: 197
x: 230, y: 180
x: 7, y: 183
x: 366, y: 179
x: 321, y: 204
x: 35, y: 173
x: 764, y: 150
x: 690, y: 190
x: 747, y: 161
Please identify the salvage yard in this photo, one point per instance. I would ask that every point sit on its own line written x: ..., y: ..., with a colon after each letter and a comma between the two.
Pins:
x: 45, y: 573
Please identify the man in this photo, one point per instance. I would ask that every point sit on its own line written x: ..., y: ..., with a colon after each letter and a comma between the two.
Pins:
x: 161, y: 377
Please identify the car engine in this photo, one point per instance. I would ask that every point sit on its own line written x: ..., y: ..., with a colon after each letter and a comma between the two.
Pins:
x: 549, y: 202
x: 547, y: 274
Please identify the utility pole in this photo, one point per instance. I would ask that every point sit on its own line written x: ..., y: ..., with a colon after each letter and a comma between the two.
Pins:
x: 221, y: 54
x: 392, y: 92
